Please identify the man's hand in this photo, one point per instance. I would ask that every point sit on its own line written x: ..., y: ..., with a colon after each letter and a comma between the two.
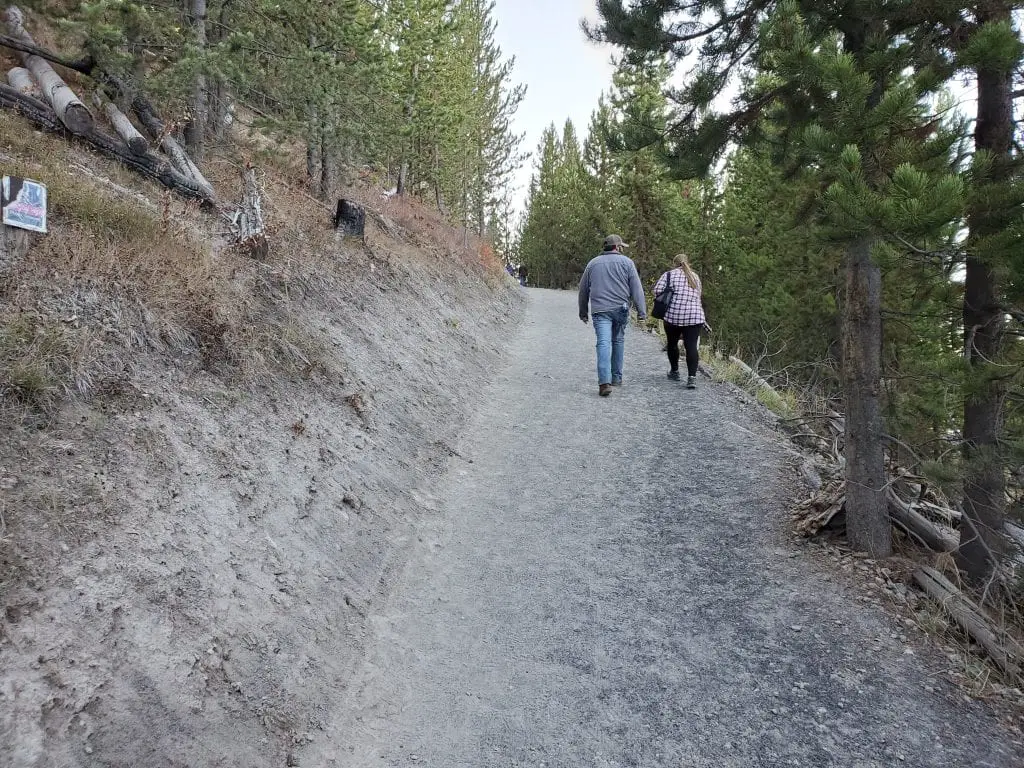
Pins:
x: 584, y: 318
x: 641, y: 320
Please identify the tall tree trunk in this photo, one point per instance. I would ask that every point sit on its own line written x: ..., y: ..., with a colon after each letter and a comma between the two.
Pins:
x: 867, y: 518
x: 984, y: 484
x: 867, y: 515
x: 220, y: 102
x: 312, y: 159
x: 326, y: 166
x: 195, y: 129
x: 403, y: 177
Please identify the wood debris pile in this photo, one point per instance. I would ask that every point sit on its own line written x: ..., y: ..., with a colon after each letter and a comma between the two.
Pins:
x: 37, y: 92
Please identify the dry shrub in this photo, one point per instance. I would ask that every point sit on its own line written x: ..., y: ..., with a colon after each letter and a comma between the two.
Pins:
x: 433, y: 231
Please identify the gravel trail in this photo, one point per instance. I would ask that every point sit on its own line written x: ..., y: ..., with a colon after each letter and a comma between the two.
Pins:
x: 605, y: 583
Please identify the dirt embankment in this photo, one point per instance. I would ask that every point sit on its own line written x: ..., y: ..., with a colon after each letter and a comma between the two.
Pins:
x: 213, y: 467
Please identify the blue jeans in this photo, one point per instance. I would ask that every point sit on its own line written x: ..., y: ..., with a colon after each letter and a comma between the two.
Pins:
x: 610, y: 328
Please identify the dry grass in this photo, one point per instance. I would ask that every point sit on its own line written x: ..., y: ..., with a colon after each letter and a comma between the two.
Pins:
x: 146, y: 273
x: 784, y: 403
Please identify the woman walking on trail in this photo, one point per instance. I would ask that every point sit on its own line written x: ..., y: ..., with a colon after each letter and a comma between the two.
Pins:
x: 684, y: 317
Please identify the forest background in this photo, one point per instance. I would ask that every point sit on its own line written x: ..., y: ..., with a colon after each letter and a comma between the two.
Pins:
x: 858, y: 229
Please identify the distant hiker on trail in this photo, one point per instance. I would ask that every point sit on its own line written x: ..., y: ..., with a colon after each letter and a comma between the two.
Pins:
x: 609, y: 282
x: 684, y: 317
x: 523, y: 272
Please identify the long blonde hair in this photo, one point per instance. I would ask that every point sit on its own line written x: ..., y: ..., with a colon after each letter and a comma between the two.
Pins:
x: 683, y: 263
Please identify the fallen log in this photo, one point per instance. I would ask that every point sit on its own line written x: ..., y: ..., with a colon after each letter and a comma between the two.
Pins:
x: 919, y: 527
x: 85, y: 65
x: 755, y: 377
x: 1001, y: 647
x: 827, y: 509
x: 68, y: 107
x: 136, y: 142
x: 36, y: 110
x: 156, y: 128
x: 21, y: 78
x: 149, y: 165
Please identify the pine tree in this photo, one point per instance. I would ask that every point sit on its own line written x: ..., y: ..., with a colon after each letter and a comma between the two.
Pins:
x: 491, y: 147
x: 984, y: 41
x: 837, y: 81
x: 543, y: 216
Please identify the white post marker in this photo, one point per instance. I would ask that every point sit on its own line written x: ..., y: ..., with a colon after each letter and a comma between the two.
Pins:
x: 23, y: 205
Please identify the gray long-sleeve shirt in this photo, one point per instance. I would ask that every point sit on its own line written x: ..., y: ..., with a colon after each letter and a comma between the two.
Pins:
x: 609, y: 282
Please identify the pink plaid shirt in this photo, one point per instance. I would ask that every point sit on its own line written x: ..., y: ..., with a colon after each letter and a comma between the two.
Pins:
x: 686, y: 308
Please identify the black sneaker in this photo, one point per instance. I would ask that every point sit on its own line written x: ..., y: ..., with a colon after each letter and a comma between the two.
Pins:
x: 604, y: 390
x: 691, y: 382
x: 616, y: 382
x: 674, y: 375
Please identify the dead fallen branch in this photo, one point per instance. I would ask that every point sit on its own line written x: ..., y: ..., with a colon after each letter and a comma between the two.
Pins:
x: 84, y: 65
x: 1001, y: 647
x: 933, y: 536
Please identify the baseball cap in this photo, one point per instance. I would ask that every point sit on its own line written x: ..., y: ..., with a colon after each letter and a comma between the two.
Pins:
x: 614, y: 241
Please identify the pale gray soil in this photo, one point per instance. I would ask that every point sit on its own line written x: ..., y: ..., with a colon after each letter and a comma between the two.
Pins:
x: 187, y: 567
x: 605, y: 583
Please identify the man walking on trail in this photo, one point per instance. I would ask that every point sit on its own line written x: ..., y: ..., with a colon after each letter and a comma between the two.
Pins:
x: 609, y: 282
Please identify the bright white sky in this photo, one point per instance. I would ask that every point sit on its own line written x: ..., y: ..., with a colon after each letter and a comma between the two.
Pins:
x: 564, y: 74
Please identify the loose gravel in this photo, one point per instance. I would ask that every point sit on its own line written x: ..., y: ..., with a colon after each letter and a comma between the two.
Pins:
x: 607, y: 582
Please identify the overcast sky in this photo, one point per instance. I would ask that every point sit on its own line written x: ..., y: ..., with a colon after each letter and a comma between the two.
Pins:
x: 564, y: 74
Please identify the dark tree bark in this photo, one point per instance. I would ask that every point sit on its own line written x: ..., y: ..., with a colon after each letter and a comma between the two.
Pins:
x: 326, y: 166
x: 312, y: 160
x: 403, y: 178
x: 982, y: 543
x: 195, y: 129
x: 867, y: 518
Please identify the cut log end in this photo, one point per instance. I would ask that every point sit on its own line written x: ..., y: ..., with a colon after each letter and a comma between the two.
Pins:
x: 78, y: 119
x: 138, y: 145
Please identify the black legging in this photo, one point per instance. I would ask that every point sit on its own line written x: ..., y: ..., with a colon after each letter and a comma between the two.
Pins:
x: 690, y: 335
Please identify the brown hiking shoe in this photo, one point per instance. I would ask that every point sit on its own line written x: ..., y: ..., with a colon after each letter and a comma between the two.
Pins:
x: 604, y: 390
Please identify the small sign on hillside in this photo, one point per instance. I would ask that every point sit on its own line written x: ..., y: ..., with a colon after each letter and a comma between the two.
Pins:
x: 24, y: 203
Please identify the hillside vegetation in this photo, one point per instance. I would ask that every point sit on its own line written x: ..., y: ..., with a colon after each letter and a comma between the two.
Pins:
x: 214, y: 464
